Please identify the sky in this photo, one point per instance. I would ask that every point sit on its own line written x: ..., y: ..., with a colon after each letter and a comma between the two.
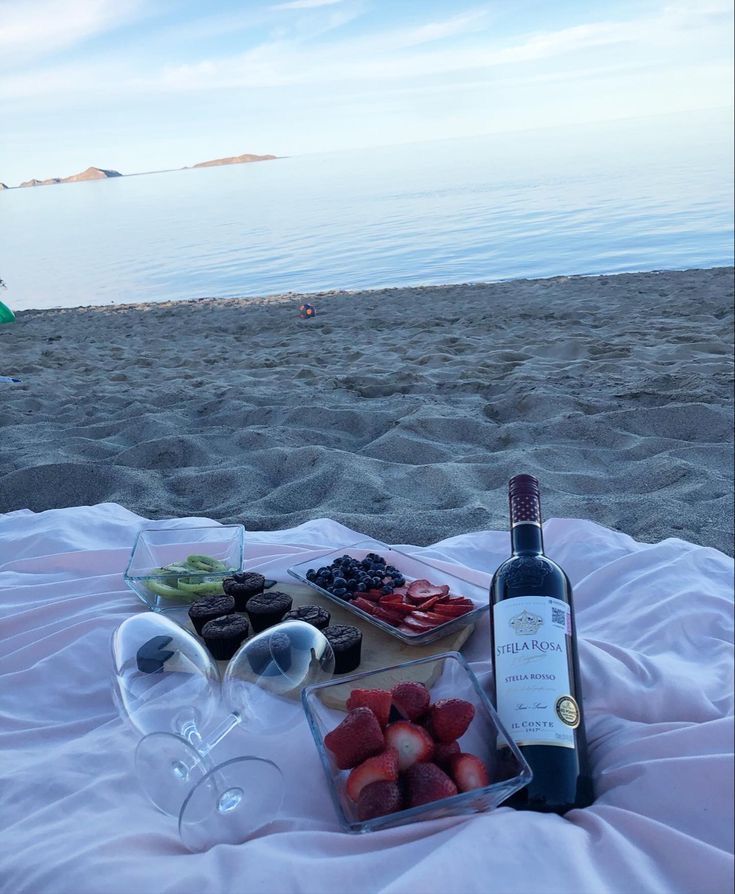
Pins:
x: 140, y: 85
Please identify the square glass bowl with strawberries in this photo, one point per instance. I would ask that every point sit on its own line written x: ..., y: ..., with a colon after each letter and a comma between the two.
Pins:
x: 415, y: 741
x: 409, y: 598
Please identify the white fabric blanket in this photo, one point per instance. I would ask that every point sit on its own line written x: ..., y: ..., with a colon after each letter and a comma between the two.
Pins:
x: 655, y: 623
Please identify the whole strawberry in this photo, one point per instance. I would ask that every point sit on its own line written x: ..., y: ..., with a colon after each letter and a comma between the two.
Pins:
x: 355, y: 739
x: 411, y: 741
x: 378, y: 700
x: 378, y: 799
x: 382, y: 767
x: 426, y: 783
x: 444, y: 752
x: 449, y: 718
x: 411, y: 699
x: 468, y: 772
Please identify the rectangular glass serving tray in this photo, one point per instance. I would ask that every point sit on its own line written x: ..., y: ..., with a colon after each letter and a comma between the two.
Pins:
x: 447, y: 675
x: 412, y: 568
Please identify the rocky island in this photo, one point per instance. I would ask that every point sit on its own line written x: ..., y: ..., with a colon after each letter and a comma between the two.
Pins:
x: 233, y: 160
x: 93, y: 173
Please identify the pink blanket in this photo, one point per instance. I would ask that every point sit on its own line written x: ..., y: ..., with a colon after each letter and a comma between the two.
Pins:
x: 655, y: 623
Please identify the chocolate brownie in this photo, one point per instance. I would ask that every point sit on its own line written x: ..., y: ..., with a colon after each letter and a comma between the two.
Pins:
x: 267, y: 609
x: 224, y: 635
x: 312, y: 614
x: 242, y: 585
x: 269, y: 654
x: 209, y: 607
x: 346, y: 643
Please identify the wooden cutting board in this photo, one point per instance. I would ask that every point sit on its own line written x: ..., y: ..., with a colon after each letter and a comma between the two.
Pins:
x: 379, y: 649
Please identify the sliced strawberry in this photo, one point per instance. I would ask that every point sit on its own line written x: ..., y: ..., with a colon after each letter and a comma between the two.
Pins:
x: 428, y: 619
x: 379, y: 799
x: 433, y: 618
x: 381, y: 768
x: 412, y: 742
x: 362, y: 594
x: 425, y: 782
x: 390, y: 617
x: 427, y: 604
x: 411, y: 698
x: 378, y: 700
x: 400, y: 591
x: 449, y: 718
x: 375, y: 594
x: 421, y: 590
x: 468, y: 772
x: 364, y: 604
x: 451, y: 611
x: 444, y: 752
x: 355, y: 739
x: 459, y: 600
x: 396, y: 606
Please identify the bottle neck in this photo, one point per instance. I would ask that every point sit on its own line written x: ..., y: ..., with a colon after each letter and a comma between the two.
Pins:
x: 526, y: 536
x: 526, y: 539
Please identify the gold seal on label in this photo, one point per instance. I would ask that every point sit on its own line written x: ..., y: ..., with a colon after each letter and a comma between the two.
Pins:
x: 567, y: 711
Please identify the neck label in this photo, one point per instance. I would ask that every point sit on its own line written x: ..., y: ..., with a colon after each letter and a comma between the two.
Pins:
x: 532, y: 678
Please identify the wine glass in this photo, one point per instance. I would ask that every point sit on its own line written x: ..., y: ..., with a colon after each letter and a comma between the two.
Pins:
x: 167, y: 686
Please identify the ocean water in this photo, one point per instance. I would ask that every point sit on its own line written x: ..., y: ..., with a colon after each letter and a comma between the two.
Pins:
x: 622, y: 196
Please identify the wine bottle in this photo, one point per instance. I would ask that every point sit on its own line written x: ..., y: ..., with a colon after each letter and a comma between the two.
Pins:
x: 536, y: 667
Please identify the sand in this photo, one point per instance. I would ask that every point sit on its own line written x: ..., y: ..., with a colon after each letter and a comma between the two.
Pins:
x: 399, y: 412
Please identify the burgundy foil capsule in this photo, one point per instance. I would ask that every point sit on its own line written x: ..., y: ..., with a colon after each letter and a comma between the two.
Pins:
x: 525, y: 503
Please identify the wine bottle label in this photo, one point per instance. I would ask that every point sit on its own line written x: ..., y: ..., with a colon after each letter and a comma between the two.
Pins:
x: 532, y: 685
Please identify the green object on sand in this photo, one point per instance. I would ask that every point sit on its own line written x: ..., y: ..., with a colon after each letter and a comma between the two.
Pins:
x: 6, y: 314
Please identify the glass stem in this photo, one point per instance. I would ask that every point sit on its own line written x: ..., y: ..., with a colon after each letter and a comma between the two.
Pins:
x: 217, y: 734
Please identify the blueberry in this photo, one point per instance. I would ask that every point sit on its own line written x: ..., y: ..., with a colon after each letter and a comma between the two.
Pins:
x: 387, y: 589
x: 340, y: 592
x: 352, y: 585
x: 339, y: 582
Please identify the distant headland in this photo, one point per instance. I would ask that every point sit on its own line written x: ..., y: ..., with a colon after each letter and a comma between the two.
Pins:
x: 93, y: 173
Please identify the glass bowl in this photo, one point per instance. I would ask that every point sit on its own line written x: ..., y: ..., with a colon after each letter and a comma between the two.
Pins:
x: 486, y: 738
x: 412, y: 568
x: 185, y: 551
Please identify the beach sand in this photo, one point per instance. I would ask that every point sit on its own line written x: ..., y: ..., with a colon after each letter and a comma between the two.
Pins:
x: 399, y: 412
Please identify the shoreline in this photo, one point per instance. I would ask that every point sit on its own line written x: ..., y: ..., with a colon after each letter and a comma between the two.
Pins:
x: 280, y: 297
x: 401, y: 412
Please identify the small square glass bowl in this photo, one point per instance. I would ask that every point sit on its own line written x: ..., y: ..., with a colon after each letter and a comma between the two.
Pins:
x: 154, y: 548
x: 448, y: 676
x: 412, y: 568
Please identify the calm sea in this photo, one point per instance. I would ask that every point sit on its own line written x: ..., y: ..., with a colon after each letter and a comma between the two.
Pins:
x: 623, y: 196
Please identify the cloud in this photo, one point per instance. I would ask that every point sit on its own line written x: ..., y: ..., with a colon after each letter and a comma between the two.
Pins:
x: 399, y: 56
x: 31, y: 29
x: 425, y: 51
x: 306, y: 4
